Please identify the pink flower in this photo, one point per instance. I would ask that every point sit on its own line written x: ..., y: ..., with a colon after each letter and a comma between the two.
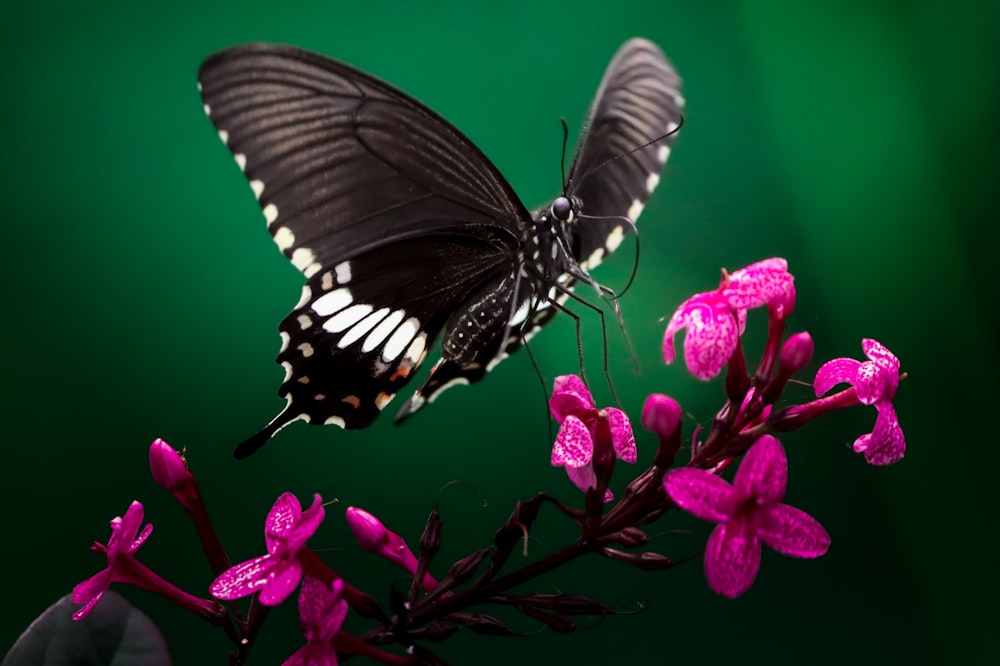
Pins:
x: 376, y: 538
x: 125, y: 540
x: 715, y: 319
x: 277, y: 573
x: 748, y: 512
x: 321, y: 614
x: 875, y: 382
x: 580, y: 421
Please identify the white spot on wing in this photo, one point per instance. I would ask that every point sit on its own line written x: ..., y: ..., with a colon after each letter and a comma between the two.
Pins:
x: 303, y: 258
x: 663, y: 153
x: 241, y: 161
x: 635, y: 210
x: 288, y: 370
x: 652, y: 182
x: 224, y: 135
x: 347, y: 318
x: 382, y: 331
x: 382, y: 399
x: 335, y: 420
x: 285, y: 339
x: 334, y: 301
x: 327, y: 283
x: 521, y: 314
x: 595, y: 258
x: 616, y: 236
x: 415, y: 353
x: 402, y: 337
x: 208, y: 109
x: 362, y: 327
x: 270, y: 211
x: 284, y: 238
x: 496, y: 360
x: 671, y: 126
x: 457, y: 381
x: 306, y: 349
x: 305, y: 321
x: 343, y: 271
x: 304, y: 298
x: 312, y: 269
x: 258, y: 188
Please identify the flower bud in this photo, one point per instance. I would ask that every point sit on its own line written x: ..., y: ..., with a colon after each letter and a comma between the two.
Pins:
x: 369, y: 531
x: 796, y: 352
x: 661, y: 414
x: 167, y: 466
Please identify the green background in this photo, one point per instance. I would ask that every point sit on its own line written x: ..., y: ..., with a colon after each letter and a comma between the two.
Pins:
x: 141, y: 297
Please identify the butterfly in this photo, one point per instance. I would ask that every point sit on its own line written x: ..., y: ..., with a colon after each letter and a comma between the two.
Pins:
x: 405, y: 231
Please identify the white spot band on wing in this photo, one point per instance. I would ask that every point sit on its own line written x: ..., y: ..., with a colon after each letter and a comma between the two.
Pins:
x: 360, y: 329
x: 334, y: 301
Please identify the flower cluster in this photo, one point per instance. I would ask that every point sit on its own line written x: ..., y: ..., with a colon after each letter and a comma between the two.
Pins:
x: 748, y: 512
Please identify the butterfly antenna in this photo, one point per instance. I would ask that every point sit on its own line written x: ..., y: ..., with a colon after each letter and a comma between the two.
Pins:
x: 633, y: 150
x: 562, y: 161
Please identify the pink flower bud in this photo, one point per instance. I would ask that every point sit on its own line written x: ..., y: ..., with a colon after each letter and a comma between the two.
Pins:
x: 369, y: 531
x: 661, y: 414
x: 167, y: 467
x: 796, y: 352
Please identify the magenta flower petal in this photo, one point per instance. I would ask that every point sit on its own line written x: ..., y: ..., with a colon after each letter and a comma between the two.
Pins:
x: 764, y: 471
x: 885, y: 445
x: 243, y: 579
x: 621, y: 435
x: 90, y: 591
x: 284, y: 514
x: 312, y: 654
x: 880, y: 355
x: 871, y: 383
x: 875, y: 382
x: 309, y: 522
x: 791, y: 531
x: 574, y: 445
x: 732, y: 558
x: 758, y: 284
x: 583, y: 478
x: 748, y: 513
x: 701, y: 493
x: 836, y: 371
x: 281, y: 582
x: 569, y: 395
x: 711, y: 339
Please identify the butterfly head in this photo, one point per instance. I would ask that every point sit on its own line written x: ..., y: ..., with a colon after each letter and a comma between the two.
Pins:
x: 563, y: 209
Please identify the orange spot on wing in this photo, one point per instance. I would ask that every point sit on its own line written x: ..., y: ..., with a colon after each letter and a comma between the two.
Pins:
x: 352, y: 400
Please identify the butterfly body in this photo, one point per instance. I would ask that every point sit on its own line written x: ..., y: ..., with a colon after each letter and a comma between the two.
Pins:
x: 406, y: 232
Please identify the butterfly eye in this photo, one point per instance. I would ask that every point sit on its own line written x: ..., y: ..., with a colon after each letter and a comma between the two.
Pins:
x: 562, y: 209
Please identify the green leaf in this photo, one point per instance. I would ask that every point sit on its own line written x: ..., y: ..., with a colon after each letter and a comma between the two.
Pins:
x: 113, y: 634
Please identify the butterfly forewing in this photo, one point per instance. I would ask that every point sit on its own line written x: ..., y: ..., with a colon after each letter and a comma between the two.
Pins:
x: 637, y: 103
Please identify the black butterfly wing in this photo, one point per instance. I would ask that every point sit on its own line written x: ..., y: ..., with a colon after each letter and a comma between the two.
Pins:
x: 380, y: 203
x: 638, y: 102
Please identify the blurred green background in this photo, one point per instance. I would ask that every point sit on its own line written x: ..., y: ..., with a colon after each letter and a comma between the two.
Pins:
x: 142, y: 294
